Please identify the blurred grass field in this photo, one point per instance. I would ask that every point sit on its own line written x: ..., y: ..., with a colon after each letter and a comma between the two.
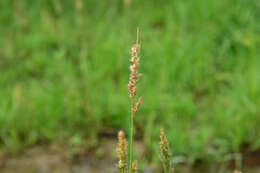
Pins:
x: 64, y: 73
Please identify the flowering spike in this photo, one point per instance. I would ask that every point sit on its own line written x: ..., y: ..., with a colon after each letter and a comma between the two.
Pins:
x: 122, y: 152
x: 165, y: 154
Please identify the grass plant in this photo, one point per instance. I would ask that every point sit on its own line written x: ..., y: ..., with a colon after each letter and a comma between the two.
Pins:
x: 165, y: 155
x: 132, y: 89
x: 130, y: 166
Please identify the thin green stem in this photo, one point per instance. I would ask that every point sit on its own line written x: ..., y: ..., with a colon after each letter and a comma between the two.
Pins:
x: 131, y: 140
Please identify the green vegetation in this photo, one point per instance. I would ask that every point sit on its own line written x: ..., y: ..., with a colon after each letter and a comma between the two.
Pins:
x: 64, y: 73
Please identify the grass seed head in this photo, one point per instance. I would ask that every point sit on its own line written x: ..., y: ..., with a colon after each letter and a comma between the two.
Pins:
x: 122, y: 152
x: 134, y: 75
x: 136, y: 107
x: 165, y: 154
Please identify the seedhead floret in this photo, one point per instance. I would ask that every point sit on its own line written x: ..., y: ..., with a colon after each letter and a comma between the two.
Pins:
x: 134, y: 166
x: 236, y: 171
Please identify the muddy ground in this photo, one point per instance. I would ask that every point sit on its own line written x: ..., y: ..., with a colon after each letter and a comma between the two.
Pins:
x: 50, y: 159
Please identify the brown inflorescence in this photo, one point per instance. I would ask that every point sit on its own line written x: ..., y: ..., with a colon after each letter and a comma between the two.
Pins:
x: 134, y: 76
x: 122, y: 152
x: 136, y: 107
x: 165, y: 154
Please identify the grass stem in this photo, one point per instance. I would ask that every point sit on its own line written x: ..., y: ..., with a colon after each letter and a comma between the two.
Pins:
x: 131, y: 140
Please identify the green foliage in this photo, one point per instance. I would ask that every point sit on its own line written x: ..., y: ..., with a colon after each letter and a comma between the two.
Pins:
x: 64, y: 72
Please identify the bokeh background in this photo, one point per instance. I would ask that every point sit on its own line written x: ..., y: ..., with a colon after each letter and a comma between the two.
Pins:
x: 64, y: 67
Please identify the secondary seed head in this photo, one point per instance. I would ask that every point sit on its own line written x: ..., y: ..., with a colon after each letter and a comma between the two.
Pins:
x: 165, y: 154
x: 136, y: 107
x: 122, y: 152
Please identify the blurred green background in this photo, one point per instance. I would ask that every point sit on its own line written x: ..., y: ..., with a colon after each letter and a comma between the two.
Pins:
x: 64, y: 67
